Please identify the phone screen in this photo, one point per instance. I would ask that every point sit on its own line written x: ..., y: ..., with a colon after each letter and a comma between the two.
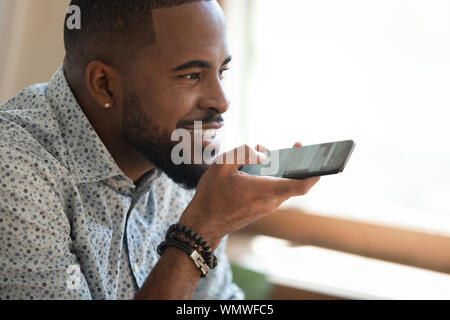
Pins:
x: 305, y: 162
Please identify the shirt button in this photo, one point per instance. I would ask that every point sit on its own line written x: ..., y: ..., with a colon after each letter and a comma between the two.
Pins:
x: 136, y: 268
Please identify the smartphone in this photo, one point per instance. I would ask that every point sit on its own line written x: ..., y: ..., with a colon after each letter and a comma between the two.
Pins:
x: 305, y: 162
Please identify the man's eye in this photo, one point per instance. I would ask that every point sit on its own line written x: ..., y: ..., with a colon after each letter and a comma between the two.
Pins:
x: 221, y: 73
x: 192, y: 76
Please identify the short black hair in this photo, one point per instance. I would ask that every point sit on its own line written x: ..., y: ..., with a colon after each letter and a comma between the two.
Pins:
x: 124, y: 26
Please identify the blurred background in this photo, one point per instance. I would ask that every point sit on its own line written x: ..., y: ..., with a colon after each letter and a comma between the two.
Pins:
x: 377, y: 72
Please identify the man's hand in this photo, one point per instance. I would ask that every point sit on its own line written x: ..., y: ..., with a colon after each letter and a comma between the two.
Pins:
x: 227, y: 200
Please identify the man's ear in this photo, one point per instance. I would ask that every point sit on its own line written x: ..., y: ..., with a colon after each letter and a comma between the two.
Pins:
x: 103, y: 84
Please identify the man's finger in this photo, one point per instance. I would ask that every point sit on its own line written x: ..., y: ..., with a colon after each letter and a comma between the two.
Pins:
x: 290, y: 187
x: 301, y: 187
x: 298, y: 145
x: 261, y: 148
x: 239, y: 157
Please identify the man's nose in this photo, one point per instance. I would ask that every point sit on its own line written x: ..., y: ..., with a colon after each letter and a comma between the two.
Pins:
x: 215, y: 97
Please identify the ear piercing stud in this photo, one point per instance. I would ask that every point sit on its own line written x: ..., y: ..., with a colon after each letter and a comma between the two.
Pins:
x: 107, y: 105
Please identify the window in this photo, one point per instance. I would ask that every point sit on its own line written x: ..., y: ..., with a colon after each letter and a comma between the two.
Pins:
x: 377, y: 72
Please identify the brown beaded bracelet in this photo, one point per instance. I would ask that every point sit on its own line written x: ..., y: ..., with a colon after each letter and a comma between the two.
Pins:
x: 185, y: 235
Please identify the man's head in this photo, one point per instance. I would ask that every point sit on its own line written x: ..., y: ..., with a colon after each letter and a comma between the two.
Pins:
x: 159, y: 64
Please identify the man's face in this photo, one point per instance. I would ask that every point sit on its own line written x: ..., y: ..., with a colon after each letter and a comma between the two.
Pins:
x: 175, y: 82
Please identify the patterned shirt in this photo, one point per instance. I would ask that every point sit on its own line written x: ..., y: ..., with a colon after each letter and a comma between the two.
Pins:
x: 72, y: 225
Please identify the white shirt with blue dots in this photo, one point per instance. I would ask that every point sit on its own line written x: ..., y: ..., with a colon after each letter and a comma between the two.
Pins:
x: 72, y: 225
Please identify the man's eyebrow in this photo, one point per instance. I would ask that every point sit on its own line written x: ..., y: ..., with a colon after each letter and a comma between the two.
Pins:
x: 199, y: 64
x: 193, y: 64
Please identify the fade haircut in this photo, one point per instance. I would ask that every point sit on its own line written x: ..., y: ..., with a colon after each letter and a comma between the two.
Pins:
x: 112, y: 30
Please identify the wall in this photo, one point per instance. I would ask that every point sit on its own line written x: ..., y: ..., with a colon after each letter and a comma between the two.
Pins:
x: 31, y: 42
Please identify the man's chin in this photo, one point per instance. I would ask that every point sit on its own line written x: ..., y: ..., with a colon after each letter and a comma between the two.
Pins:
x: 186, y: 175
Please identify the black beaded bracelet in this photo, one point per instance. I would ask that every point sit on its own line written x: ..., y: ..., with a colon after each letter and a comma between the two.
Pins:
x: 185, y: 235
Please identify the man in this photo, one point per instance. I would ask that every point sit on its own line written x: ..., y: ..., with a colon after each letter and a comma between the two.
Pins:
x: 88, y: 187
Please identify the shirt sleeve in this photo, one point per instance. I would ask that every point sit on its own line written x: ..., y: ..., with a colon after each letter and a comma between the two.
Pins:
x: 35, y: 244
x: 218, y: 285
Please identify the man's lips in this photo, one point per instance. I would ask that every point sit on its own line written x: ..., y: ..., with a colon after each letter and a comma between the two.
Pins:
x: 210, y: 126
x: 207, y: 133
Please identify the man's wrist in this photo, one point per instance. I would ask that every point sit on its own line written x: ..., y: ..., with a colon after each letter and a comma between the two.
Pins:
x: 174, y: 267
x: 202, y: 229
x: 182, y: 258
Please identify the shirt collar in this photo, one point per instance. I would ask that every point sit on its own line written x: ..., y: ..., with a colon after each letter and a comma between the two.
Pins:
x: 89, y: 159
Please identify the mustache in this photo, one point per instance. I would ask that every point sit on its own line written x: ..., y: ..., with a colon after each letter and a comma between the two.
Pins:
x: 210, y: 118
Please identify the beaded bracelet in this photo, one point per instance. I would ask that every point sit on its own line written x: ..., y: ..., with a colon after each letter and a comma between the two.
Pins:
x: 186, y: 235
x: 195, y: 246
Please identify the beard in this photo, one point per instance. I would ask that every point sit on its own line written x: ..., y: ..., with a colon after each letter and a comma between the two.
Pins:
x: 155, y: 144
